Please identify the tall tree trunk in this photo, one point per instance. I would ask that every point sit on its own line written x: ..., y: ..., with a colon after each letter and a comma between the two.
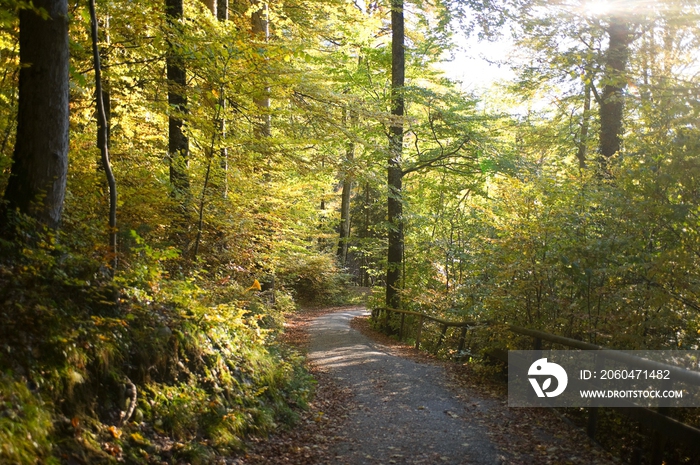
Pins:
x: 222, y: 15
x: 222, y: 10
x: 178, y: 144
x: 103, y: 127
x: 344, y: 235
x: 365, y: 234
x: 211, y: 5
x: 218, y: 117
x: 585, y: 124
x: 612, y: 100
x: 349, y: 117
x: 37, y: 183
x: 394, y: 171
x: 261, y: 29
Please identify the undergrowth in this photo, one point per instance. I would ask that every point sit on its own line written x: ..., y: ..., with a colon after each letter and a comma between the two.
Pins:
x: 199, y: 355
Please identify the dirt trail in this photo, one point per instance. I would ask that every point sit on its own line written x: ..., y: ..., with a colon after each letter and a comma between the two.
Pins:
x: 406, y: 414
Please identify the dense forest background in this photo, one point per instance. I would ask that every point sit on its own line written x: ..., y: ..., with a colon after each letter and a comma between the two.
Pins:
x: 237, y: 158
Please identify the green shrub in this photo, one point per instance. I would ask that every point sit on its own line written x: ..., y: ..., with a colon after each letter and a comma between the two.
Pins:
x: 314, y: 278
x: 25, y: 424
x: 178, y: 410
x: 202, y: 356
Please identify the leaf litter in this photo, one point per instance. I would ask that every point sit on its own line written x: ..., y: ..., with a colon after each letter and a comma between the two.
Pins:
x: 522, y: 436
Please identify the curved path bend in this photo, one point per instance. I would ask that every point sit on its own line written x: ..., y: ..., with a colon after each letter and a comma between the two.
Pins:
x: 406, y: 414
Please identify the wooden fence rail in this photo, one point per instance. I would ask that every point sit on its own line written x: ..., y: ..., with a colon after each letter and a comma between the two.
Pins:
x: 657, y: 420
x: 422, y: 317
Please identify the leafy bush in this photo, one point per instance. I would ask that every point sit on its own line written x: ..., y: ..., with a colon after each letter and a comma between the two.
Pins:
x: 202, y: 357
x: 313, y: 278
x: 25, y: 424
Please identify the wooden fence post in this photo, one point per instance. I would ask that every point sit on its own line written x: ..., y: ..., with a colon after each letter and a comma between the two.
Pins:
x: 442, y: 337
x: 462, y: 337
x: 420, y: 329
x: 593, y: 411
x: 403, y: 317
x: 592, y: 421
x: 659, y: 440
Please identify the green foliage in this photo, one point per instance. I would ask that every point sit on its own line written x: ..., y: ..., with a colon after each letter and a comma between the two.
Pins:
x: 552, y: 247
x: 205, y: 370
x: 314, y: 279
x: 25, y: 424
x: 182, y: 319
x: 501, y: 222
x: 197, y: 342
x: 525, y: 227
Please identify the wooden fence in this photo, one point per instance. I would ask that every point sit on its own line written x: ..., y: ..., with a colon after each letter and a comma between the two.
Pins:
x: 664, y: 427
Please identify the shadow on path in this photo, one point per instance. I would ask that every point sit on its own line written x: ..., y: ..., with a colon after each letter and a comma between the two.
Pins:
x: 406, y: 414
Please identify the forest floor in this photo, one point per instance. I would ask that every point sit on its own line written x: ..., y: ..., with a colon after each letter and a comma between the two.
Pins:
x: 381, y: 402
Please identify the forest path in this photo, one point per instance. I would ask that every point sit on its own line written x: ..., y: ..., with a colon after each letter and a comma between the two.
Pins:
x: 406, y: 413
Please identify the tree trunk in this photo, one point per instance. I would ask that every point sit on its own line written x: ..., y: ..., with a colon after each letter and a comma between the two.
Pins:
x: 211, y: 5
x: 37, y: 183
x: 104, y: 132
x: 222, y: 10
x: 349, y: 119
x: 612, y: 100
x: 585, y: 124
x: 178, y: 144
x: 103, y: 127
x: 365, y: 234
x: 261, y: 29
x: 344, y: 236
x: 222, y: 15
x: 394, y: 171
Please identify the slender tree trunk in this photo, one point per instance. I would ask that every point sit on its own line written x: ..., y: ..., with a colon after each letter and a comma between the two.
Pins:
x: 349, y: 118
x: 344, y: 220
x: 37, y: 183
x: 200, y: 222
x: 223, y: 155
x: 207, y: 178
x: 394, y: 171
x: 365, y: 234
x: 261, y: 29
x: 103, y: 127
x: 222, y: 15
x: 178, y: 144
x: 585, y: 124
x: 612, y: 100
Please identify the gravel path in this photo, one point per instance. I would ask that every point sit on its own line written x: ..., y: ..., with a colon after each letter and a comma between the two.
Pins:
x: 406, y: 414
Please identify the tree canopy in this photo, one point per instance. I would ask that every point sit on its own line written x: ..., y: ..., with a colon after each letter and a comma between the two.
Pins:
x: 270, y: 154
